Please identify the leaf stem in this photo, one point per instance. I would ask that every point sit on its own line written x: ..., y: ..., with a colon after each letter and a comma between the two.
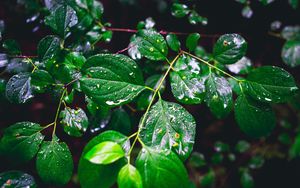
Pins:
x: 57, y: 112
x: 212, y: 66
x: 156, y: 91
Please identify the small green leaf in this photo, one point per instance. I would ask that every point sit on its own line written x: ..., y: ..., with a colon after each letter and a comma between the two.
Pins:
x: 169, y: 126
x: 41, y: 80
x: 161, y: 168
x: 247, y: 180
x: 105, y: 153
x: 294, y: 150
x: 152, y: 45
x: 48, y: 47
x: 173, y: 42
x: 21, y: 141
x: 192, y: 41
x: 18, y: 88
x: 103, y: 176
x: 129, y: 177
x: 209, y: 179
x: 270, y: 84
x: 197, y: 160
x: 256, y: 162
x: 187, y: 81
x: 221, y: 147
x: 229, y: 48
x: 120, y: 121
x: 294, y: 3
x: 12, y: 47
x: 179, y: 10
x: 254, y: 118
x: 54, y: 162
x: 61, y: 19
x: 195, y: 18
x: 290, y: 53
x: 75, y: 121
x: 242, y: 146
x: 291, y: 32
x: 16, y: 179
x: 218, y: 95
x: 75, y: 59
x: 111, y: 79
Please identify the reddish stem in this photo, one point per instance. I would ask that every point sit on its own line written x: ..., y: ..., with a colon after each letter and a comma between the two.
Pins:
x: 24, y: 56
x: 161, y: 32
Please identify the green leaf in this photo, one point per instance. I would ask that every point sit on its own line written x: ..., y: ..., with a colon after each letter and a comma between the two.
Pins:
x: 291, y: 32
x: 229, y: 48
x: 12, y: 47
x: 169, y: 126
x: 48, y: 48
x: 173, y: 42
x: 187, y: 81
x: 197, y: 160
x: 270, y: 84
x: 294, y: 150
x: 18, y: 88
x: 61, y: 19
x: 145, y: 97
x: 242, y: 146
x: 105, y: 153
x: 218, y: 95
x: 41, y: 80
x: 192, y: 41
x: 256, y: 162
x: 290, y: 53
x: 111, y: 80
x: 120, y: 121
x: 195, y: 18
x: 294, y: 3
x: 21, y: 141
x: 54, y: 162
x: 247, y: 180
x: 179, y: 10
x: 75, y: 121
x: 254, y: 118
x: 161, y: 168
x: 129, y: 177
x: 151, y: 44
x: 75, y: 59
x: 16, y: 179
x: 209, y: 179
x: 103, y: 176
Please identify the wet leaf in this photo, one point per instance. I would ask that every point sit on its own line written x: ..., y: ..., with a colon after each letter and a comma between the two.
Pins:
x: 187, y: 81
x: 48, y: 47
x: 161, y: 169
x: 104, y: 176
x: 152, y: 45
x: 229, y: 48
x: 173, y: 42
x: 218, y: 95
x: 254, y: 118
x: 192, y: 41
x: 111, y: 79
x: 21, y: 141
x: 179, y: 10
x: 54, y: 162
x: 18, y: 88
x: 270, y: 84
x: 290, y: 53
x: 75, y: 121
x: 16, y: 179
x: 169, y: 126
x: 129, y: 177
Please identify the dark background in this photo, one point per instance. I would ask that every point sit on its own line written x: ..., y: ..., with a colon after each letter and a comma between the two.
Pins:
x: 224, y: 16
